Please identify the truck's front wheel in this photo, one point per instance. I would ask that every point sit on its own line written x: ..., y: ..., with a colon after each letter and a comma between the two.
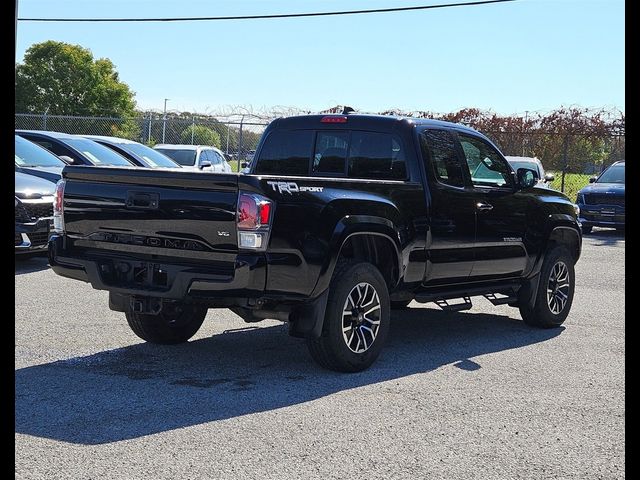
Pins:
x: 554, y: 296
x: 171, y: 326
x: 356, y: 321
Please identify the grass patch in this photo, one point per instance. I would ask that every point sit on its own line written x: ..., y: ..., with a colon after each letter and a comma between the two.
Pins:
x: 234, y: 165
x: 573, y: 182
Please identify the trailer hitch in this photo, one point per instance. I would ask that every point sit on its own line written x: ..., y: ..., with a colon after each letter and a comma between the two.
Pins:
x: 146, y: 305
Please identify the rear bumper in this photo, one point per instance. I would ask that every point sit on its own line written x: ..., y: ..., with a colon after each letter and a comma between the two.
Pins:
x: 246, y: 278
x: 32, y: 237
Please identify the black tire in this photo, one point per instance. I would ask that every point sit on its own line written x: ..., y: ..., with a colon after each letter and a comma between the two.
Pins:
x: 542, y: 314
x: 586, y: 230
x: 170, y: 327
x: 399, y: 304
x: 332, y: 350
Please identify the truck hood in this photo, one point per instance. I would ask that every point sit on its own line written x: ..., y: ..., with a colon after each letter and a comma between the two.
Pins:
x: 29, y: 186
x: 610, y: 188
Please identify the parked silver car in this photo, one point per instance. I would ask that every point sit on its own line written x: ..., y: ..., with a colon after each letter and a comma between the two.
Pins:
x: 544, y: 179
x: 202, y: 158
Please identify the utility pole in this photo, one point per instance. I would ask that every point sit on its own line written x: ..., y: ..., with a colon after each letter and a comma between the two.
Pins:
x: 565, y: 163
x: 227, y: 151
x: 149, y: 136
x: 526, y: 117
x: 164, y: 118
x: 240, y: 141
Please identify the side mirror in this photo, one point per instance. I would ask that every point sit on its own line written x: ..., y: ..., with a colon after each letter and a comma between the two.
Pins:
x: 205, y: 164
x: 244, y: 164
x: 526, y: 178
x: 67, y: 159
x: 549, y: 177
x: 593, y: 179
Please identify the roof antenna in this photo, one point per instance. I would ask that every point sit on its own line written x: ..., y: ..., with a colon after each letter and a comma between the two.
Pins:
x: 347, y: 110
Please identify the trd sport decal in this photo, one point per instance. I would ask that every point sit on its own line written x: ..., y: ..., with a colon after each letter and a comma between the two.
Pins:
x: 292, y: 187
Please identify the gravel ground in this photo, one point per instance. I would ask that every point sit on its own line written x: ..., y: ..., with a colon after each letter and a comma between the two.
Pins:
x: 469, y: 395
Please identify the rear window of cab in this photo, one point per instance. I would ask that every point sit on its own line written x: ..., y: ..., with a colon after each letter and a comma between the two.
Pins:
x: 333, y: 153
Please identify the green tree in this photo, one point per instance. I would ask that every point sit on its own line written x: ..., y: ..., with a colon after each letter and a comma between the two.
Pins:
x: 128, y: 128
x: 201, y: 136
x: 65, y: 79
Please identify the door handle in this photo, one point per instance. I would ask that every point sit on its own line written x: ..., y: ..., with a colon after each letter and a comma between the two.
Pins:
x: 484, y: 206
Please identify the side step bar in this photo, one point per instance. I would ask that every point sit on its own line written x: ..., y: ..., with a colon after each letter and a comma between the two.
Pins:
x: 500, y: 300
x: 455, y: 307
x: 441, y: 296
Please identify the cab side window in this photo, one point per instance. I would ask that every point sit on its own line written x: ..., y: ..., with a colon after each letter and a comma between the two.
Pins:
x: 438, y: 146
x: 486, y: 167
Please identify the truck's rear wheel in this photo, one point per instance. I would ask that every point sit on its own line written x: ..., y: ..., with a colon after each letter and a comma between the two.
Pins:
x: 356, y: 322
x: 555, y: 291
x: 171, y: 326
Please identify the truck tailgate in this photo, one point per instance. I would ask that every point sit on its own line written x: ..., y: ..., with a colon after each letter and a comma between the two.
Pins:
x: 185, y: 214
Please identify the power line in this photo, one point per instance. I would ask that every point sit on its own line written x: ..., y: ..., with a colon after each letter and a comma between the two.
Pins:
x: 258, y: 17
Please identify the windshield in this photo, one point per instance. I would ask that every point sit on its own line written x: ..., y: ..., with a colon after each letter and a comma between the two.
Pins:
x: 183, y: 157
x: 523, y: 164
x: 153, y: 157
x: 96, y: 153
x: 613, y: 174
x: 29, y: 154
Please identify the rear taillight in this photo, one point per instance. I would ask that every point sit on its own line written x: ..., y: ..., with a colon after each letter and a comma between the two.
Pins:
x: 58, y: 208
x: 254, y: 221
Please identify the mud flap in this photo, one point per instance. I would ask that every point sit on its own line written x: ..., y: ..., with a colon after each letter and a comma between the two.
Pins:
x: 308, y: 319
x: 528, y: 291
x: 118, y: 302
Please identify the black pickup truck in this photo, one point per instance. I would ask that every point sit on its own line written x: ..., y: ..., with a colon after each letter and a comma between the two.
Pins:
x: 340, y: 219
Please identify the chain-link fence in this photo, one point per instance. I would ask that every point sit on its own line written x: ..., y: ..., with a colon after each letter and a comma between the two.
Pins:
x: 574, y: 153
x: 572, y: 157
x: 237, y: 138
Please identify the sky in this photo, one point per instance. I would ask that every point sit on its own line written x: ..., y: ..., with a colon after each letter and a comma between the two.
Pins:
x: 527, y: 55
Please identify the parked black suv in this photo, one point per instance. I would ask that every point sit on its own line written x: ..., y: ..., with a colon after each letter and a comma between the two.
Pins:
x: 75, y: 150
x: 340, y: 219
x: 32, y: 159
x: 602, y: 202
x: 137, y: 153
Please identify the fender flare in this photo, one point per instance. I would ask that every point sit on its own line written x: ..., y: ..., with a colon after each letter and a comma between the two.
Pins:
x: 350, y: 226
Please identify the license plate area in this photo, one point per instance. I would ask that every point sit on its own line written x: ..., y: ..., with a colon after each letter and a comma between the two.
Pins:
x: 146, y: 275
x: 142, y: 200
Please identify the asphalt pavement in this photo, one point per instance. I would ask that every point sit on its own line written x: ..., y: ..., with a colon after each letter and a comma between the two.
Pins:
x: 466, y: 395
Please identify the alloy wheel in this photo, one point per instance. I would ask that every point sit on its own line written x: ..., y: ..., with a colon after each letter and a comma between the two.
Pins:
x: 361, y: 317
x: 558, y: 288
